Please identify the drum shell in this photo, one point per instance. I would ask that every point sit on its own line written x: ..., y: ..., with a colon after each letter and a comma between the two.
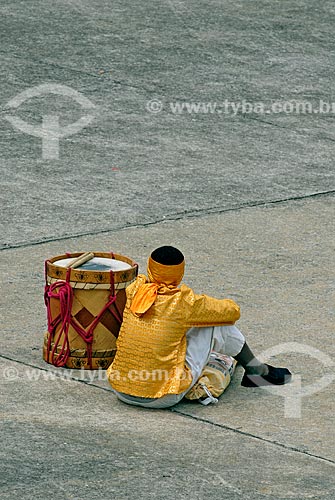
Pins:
x: 91, y: 292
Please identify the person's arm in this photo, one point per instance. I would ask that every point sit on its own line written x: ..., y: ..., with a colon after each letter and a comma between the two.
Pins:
x: 208, y: 311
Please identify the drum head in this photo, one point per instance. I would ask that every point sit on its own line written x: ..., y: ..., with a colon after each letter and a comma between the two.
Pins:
x: 97, y: 264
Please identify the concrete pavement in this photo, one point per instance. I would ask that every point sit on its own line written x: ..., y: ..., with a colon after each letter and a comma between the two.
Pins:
x: 248, y: 198
x: 248, y: 446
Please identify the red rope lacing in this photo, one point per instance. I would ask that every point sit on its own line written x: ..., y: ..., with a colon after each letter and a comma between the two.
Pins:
x: 62, y: 291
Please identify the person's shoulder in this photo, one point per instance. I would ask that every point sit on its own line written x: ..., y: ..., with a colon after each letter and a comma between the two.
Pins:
x: 192, y: 298
x: 187, y: 293
x: 140, y: 279
x: 134, y: 286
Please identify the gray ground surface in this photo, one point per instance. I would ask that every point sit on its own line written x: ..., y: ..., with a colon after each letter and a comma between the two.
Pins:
x: 212, y: 184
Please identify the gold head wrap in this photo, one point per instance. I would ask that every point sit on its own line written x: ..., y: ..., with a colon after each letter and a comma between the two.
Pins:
x: 163, y: 279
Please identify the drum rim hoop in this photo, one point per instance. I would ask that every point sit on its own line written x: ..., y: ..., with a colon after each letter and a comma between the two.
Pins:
x: 89, y: 276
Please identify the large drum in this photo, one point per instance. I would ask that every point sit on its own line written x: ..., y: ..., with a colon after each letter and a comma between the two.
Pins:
x: 84, y: 308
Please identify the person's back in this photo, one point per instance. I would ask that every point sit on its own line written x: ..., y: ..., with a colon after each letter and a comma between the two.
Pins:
x: 168, y: 332
x: 151, y: 347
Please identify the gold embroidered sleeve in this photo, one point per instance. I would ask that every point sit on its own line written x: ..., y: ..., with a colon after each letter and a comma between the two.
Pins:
x: 208, y: 311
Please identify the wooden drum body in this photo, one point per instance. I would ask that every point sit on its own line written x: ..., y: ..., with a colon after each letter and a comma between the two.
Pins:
x: 84, y: 308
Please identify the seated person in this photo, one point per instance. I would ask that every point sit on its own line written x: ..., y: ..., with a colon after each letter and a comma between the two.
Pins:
x: 168, y: 333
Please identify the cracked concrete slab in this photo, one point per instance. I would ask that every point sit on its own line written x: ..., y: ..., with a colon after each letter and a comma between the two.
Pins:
x: 79, y: 442
x: 276, y: 261
x: 131, y: 166
x: 206, y: 182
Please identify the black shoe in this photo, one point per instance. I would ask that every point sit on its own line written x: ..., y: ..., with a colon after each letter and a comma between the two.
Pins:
x: 276, y: 376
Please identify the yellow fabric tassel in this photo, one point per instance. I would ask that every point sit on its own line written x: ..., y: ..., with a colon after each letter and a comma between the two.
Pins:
x: 163, y: 279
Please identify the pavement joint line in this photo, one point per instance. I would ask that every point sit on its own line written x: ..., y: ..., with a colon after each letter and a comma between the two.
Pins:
x: 181, y: 413
x: 197, y: 213
x: 254, y: 436
x: 293, y: 129
x: 40, y: 62
x: 58, y: 375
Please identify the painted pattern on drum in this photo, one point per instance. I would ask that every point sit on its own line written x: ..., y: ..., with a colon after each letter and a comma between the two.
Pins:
x: 91, y: 293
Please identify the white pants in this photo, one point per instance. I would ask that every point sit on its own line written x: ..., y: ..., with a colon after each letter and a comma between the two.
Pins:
x: 200, y: 342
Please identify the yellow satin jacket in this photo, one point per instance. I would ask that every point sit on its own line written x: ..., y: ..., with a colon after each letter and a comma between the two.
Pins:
x: 151, y: 349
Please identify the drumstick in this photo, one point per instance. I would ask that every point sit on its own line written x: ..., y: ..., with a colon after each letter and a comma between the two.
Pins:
x: 78, y: 261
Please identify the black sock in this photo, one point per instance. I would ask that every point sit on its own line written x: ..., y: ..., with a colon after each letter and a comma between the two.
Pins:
x: 250, y: 363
